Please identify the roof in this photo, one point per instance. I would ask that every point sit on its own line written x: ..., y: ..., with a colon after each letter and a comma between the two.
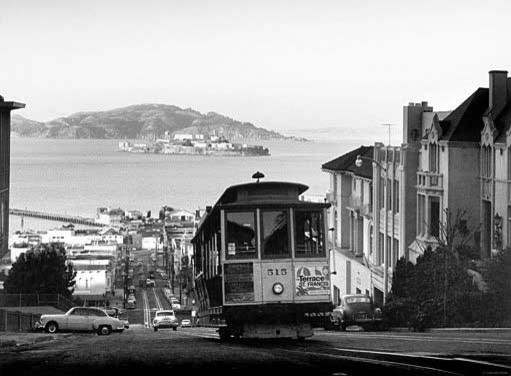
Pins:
x: 465, y: 123
x: 503, y: 123
x: 346, y: 162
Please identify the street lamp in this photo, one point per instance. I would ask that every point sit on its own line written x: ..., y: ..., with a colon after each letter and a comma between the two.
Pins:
x: 359, y: 162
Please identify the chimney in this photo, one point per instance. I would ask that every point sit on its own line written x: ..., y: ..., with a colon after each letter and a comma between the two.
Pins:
x: 498, y: 91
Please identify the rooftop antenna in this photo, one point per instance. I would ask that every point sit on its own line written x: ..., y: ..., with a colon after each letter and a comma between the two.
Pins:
x: 258, y: 175
x: 388, y: 125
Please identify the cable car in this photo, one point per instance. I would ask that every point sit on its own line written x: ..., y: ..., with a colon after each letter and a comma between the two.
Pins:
x: 261, y: 262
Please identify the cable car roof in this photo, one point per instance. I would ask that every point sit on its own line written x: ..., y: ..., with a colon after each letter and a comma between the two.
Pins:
x: 260, y: 194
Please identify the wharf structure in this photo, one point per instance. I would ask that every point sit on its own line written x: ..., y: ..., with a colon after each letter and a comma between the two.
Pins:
x: 393, y: 201
x: 56, y: 217
x: 5, y: 160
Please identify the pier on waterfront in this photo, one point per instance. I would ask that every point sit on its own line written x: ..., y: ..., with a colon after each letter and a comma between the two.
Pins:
x: 56, y: 217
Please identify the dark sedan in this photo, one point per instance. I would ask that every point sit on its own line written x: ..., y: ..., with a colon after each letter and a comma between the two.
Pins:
x: 357, y: 309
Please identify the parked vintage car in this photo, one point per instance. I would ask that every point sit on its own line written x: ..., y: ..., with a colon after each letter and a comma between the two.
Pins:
x: 165, y: 319
x: 186, y: 323
x: 82, y: 319
x: 356, y: 309
x: 149, y: 283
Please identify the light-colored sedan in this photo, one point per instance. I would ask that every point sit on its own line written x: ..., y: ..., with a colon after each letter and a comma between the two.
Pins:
x: 82, y: 319
x: 165, y: 319
x: 186, y: 323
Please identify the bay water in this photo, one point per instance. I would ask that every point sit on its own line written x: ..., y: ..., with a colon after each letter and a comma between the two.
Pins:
x: 75, y: 177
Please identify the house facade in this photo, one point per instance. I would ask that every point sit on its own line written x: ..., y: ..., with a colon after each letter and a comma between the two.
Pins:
x: 350, y: 217
x: 374, y: 212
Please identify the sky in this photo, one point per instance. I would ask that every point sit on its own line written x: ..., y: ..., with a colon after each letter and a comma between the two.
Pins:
x: 279, y: 64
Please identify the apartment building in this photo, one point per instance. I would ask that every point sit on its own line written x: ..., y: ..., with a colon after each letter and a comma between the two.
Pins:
x: 5, y: 159
x: 374, y: 208
x: 350, y: 221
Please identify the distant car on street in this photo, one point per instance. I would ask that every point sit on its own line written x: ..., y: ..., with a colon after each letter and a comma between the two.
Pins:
x: 165, y: 319
x: 82, y: 319
x: 149, y: 283
x: 356, y: 309
x: 186, y: 323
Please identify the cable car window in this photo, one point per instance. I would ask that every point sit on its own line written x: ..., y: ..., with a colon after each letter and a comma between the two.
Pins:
x: 309, y: 233
x: 240, y: 234
x: 275, y: 233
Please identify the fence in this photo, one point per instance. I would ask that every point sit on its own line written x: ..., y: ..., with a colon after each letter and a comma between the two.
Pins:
x: 17, y: 321
x: 35, y: 300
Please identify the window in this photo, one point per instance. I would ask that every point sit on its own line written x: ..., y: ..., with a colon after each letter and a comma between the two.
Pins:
x: 433, y: 158
x: 381, y: 191
x: 396, y: 196
x: 309, y: 233
x: 240, y: 234
x: 275, y: 237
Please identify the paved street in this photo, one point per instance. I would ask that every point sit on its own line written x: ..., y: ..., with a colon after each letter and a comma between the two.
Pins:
x: 195, y: 350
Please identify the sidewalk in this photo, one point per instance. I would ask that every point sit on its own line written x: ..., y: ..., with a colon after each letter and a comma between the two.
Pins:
x: 17, y: 339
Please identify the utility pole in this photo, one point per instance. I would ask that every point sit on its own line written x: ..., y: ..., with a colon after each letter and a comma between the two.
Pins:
x: 388, y: 125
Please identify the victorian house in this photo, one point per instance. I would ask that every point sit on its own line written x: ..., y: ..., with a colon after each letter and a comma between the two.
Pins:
x: 457, y: 168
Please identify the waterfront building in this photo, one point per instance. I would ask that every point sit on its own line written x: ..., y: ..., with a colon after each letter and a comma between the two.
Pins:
x: 495, y: 166
x: 5, y: 163
x: 110, y: 217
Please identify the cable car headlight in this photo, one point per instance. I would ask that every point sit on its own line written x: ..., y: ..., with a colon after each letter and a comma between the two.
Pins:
x: 278, y: 288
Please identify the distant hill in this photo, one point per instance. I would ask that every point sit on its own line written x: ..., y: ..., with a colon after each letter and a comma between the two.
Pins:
x: 143, y: 121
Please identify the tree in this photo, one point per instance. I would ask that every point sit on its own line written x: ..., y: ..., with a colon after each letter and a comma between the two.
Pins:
x: 497, y: 274
x: 43, y: 270
x: 439, y: 282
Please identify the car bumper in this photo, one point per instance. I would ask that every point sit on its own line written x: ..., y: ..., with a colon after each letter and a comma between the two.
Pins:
x: 165, y: 325
x: 38, y: 326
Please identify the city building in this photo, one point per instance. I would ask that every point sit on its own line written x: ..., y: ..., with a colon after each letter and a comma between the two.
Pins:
x: 5, y: 161
x: 350, y: 216
x: 374, y: 208
x: 110, y: 217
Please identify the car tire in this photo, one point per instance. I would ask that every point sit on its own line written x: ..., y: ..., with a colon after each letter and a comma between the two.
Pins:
x: 155, y: 329
x: 224, y: 334
x: 342, y: 327
x: 174, y: 328
x: 52, y: 327
x: 104, y: 330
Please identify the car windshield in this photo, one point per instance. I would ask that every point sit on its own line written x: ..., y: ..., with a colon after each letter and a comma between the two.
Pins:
x: 165, y: 313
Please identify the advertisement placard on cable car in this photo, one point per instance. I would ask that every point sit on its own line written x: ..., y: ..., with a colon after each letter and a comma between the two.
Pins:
x: 239, y: 282
x: 312, y: 280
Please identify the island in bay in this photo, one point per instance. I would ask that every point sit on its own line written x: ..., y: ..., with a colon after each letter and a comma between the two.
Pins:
x: 157, y: 128
x: 194, y: 144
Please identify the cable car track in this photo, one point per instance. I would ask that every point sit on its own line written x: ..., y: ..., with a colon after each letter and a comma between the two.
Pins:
x: 410, y: 363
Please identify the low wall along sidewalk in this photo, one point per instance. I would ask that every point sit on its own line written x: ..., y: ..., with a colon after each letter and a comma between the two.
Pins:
x: 15, y: 321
